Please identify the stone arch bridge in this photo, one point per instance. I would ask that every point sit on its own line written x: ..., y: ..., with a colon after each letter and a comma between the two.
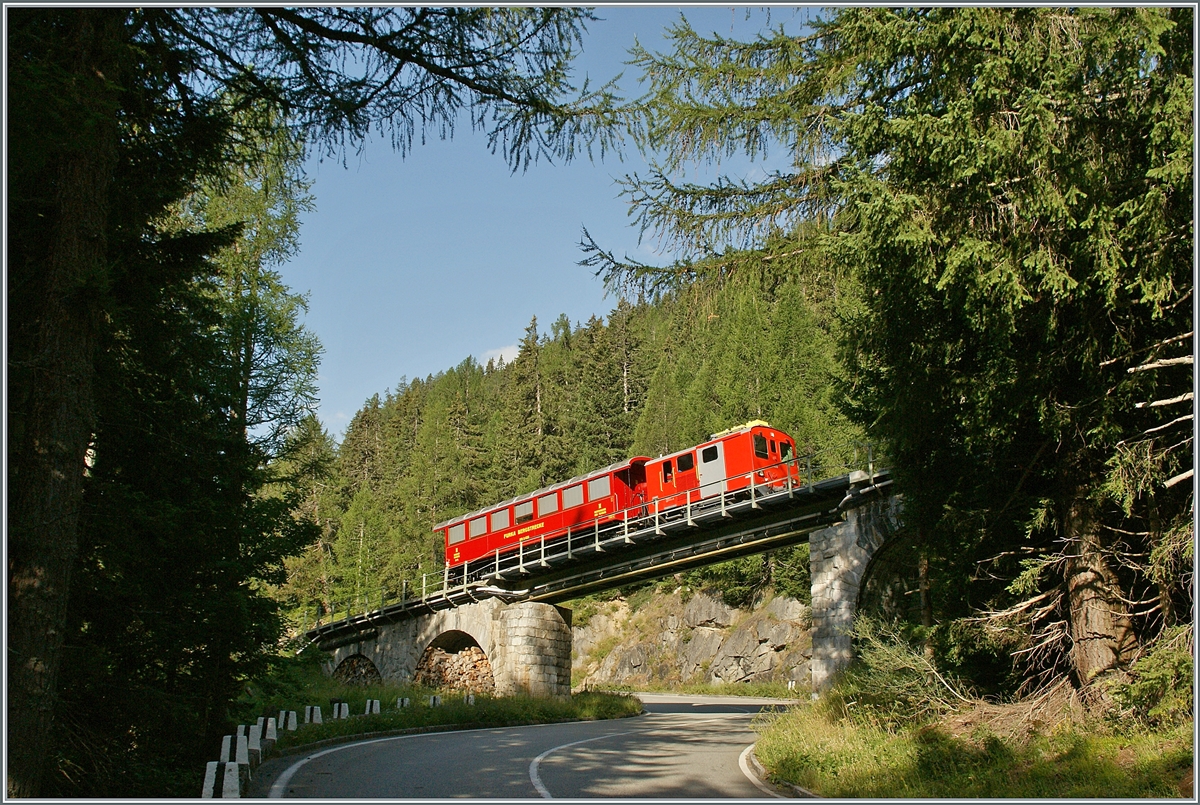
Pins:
x: 525, y: 638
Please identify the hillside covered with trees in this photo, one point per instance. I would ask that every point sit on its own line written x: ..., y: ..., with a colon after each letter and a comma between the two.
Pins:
x: 652, y: 377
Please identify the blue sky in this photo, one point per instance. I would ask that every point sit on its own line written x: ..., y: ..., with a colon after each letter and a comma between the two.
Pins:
x: 412, y: 265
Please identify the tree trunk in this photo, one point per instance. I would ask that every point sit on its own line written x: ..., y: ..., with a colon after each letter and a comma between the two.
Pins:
x: 1102, y: 636
x: 926, y: 599
x: 52, y: 416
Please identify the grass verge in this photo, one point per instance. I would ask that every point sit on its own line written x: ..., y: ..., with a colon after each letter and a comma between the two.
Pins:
x: 838, y: 758
x: 296, y: 682
x: 486, y: 712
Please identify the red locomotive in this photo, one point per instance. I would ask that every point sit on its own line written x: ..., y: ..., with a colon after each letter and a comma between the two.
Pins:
x: 728, y: 462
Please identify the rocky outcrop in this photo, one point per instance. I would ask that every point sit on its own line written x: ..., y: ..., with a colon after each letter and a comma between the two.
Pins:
x: 703, y: 610
x: 700, y: 639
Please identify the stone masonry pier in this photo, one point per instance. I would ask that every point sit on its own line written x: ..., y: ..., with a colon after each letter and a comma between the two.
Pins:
x: 528, y: 644
x: 838, y: 559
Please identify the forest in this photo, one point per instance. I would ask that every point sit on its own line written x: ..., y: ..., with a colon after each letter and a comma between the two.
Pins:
x: 979, y: 261
x: 651, y: 378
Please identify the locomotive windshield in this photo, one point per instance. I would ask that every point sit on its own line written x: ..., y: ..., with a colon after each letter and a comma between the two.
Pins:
x: 760, y: 445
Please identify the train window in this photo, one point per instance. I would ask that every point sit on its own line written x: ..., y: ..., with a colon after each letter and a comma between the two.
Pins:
x: 667, y: 471
x: 547, y: 504
x: 760, y: 445
x: 686, y: 462
x: 457, y: 533
x: 708, y: 454
x: 478, y: 527
x: 500, y: 519
x: 772, y: 447
x: 573, y: 496
x: 785, y: 450
x: 599, y: 488
x: 524, y: 511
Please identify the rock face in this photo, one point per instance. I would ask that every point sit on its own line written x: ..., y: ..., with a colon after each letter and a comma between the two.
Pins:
x: 701, y: 639
x: 467, y: 670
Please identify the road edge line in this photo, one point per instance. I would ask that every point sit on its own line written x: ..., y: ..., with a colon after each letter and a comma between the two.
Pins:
x: 757, y: 774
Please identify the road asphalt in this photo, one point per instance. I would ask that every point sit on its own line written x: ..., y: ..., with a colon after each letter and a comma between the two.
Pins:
x: 683, y: 746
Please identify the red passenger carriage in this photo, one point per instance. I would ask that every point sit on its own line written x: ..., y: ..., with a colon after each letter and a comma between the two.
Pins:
x: 728, y: 462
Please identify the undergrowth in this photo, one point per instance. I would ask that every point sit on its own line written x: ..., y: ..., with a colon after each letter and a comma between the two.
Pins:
x: 893, y: 727
x: 838, y: 758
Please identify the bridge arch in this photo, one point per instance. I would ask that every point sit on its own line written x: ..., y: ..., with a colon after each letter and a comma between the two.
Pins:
x: 454, y: 660
x: 890, y: 584
x: 453, y: 641
x: 357, y: 669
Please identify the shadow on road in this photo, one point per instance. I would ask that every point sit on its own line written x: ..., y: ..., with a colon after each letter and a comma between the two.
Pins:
x: 712, y: 709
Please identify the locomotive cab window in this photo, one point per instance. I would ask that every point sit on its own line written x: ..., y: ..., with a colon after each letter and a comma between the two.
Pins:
x: 457, y: 533
x: 599, y: 488
x: 478, y: 527
x: 760, y: 445
x: 708, y: 454
x: 667, y: 471
x: 772, y: 447
x: 686, y: 462
x: 524, y: 511
x: 785, y: 450
x: 573, y: 496
x: 500, y: 519
x: 547, y: 504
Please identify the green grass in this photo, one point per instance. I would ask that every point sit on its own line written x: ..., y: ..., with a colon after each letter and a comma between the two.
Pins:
x: 836, y: 758
x: 297, y: 682
x: 486, y: 712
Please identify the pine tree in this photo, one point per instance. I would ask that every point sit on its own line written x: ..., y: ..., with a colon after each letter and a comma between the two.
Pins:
x: 1012, y: 189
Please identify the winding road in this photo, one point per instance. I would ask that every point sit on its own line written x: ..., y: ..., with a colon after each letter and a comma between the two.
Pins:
x: 693, y: 747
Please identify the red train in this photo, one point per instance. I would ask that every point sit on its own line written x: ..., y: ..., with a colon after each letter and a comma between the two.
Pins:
x: 631, y: 489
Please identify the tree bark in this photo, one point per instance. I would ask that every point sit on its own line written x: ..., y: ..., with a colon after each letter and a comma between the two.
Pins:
x: 926, y: 599
x: 1102, y: 635
x: 52, y: 416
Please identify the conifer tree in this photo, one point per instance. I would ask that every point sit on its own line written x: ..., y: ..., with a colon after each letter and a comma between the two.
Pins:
x: 1013, y: 190
x: 308, y: 467
x: 117, y: 118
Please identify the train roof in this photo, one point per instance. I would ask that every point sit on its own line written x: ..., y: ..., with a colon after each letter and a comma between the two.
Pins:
x: 754, y: 423
x: 611, y: 468
x: 757, y: 423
